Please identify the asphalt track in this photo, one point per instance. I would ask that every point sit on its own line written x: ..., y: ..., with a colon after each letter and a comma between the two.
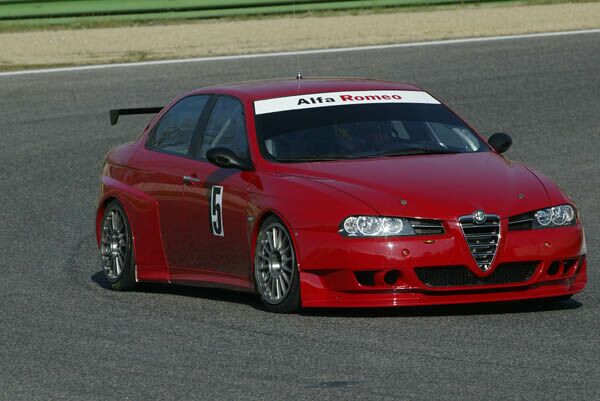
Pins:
x: 64, y: 336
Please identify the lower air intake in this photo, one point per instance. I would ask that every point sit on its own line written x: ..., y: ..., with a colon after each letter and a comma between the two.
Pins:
x: 455, y: 276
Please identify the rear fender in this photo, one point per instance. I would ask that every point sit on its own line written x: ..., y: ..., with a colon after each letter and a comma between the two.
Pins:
x: 142, y: 212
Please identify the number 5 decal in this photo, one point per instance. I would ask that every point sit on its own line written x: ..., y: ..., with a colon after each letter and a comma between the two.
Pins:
x: 216, y: 210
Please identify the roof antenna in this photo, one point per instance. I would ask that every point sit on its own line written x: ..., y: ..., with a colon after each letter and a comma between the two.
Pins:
x: 299, y: 74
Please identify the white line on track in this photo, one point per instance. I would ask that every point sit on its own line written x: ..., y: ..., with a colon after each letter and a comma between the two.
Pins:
x: 302, y: 52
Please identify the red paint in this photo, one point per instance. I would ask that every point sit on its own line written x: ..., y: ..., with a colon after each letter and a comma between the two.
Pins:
x: 173, y: 241
x: 350, y: 98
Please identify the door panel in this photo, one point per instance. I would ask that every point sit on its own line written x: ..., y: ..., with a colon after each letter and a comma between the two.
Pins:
x: 161, y: 166
x: 219, y: 208
x: 218, y: 216
x: 165, y: 184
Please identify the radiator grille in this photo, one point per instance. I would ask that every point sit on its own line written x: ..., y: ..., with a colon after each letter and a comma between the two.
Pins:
x: 482, y: 238
x: 454, y: 276
x: 427, y: 227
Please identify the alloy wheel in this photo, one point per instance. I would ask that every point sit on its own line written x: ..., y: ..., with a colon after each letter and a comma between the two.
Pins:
x: 115, y: 245
x: 275, y: 263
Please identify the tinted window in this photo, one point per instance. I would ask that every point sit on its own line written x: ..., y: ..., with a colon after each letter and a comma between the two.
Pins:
x: 175, y: 130
x: 358, y: 131
x: 226, y: 128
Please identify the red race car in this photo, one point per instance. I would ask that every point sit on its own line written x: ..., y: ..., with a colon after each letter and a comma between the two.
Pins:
x: 332, y: 193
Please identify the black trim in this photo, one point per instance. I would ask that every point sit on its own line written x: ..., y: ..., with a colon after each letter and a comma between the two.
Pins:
x: 427, y: 226
x: 196, y: 152
x: 455, y: 276
x: 227, y: 158
x: 198, y: 136
x: 150, y: 138
x: 115, y: 113
x: 521, y: 222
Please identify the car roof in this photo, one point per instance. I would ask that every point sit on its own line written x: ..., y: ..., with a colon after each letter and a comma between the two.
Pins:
x: 266, y: 89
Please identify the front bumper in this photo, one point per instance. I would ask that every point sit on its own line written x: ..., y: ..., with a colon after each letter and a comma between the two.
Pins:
x: 337, y: 271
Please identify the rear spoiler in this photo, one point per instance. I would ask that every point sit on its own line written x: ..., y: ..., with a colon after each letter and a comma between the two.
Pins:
x: 114, y: 114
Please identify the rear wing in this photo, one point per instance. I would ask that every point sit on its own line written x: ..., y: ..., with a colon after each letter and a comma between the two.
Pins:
x: 114, y: 114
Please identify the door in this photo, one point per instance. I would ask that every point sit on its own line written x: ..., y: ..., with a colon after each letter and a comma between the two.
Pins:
x: 163, y: 165
x: 218, y: 207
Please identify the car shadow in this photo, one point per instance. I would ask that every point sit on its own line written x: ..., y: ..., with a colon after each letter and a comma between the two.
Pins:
x: 252, y: 300
x: 208, y: 293
x: 490, y: 308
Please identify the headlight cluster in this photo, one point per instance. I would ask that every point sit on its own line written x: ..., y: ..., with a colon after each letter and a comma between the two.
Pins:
x: 556, y: 216
x: 373, y: 226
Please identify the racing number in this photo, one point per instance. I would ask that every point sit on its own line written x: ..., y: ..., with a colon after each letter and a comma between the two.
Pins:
x: 216, y: 210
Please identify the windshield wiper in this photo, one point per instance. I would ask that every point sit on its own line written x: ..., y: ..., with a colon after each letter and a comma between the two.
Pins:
x: 325, y: 157
x: 418, y: 150
x: 395, y: 152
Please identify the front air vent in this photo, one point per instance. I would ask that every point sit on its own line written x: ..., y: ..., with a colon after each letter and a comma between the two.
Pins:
x: 366, y: 277
x: 457, y: 276
x: 521, y: 222
x: 482, y: 238
x: 568, y: 264
x: 427, y: 227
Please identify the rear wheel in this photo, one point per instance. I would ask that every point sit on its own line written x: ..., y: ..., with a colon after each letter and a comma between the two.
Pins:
x: 275, y: 268
x: 116, y: 248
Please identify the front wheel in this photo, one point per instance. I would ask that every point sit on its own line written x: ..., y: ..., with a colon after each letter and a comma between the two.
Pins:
x: 275, y: 268
x: 116, y: 248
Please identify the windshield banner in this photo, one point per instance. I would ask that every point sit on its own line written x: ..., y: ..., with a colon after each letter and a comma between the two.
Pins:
x: 340, y: 99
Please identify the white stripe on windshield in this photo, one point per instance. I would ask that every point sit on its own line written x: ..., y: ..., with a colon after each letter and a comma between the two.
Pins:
x: 340, y: 99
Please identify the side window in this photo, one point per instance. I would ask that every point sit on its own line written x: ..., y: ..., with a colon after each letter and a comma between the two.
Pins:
x: 174, y: 131
x: 226, y: 128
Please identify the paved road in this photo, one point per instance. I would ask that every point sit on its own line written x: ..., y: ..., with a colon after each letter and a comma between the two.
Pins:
x: 64, y: 336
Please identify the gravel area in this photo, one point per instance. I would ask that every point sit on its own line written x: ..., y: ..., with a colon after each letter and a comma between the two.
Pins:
x: 224, y: 37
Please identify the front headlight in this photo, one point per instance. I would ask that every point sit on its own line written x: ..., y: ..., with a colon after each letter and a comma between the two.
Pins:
x: 556, y: 216
x: 374, y: 226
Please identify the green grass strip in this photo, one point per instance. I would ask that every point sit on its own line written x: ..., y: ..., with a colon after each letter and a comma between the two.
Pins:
x: 26, y: 9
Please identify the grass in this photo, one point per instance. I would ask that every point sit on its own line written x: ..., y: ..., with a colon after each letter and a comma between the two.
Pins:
x: 303, y: 10
x: 20, y: 67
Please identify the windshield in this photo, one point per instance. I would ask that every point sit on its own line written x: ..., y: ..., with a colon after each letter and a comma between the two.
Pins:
x: 362, y: 131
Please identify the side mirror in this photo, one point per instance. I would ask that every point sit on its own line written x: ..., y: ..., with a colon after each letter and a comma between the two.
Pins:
x: 226, y: 158
x: 500, y: 142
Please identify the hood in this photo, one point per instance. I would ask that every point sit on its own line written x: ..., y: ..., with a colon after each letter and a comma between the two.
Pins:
x: 432, y: 186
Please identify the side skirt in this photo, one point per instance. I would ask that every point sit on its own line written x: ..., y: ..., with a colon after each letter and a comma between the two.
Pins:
x: 210, y: 278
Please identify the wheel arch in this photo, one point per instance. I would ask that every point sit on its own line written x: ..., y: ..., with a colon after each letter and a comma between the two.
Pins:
x: 292, y: 300
x: 143, y: 215
x: 260, y: 219
x: 100, y: 213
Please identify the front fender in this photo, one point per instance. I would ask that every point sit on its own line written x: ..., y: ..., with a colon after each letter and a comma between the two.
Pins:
x: 306, y: 204
x: 555, y: 195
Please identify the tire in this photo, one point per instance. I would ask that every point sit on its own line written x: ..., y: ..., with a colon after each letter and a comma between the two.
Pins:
x: 116, y: 248
x: 275, y: 268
